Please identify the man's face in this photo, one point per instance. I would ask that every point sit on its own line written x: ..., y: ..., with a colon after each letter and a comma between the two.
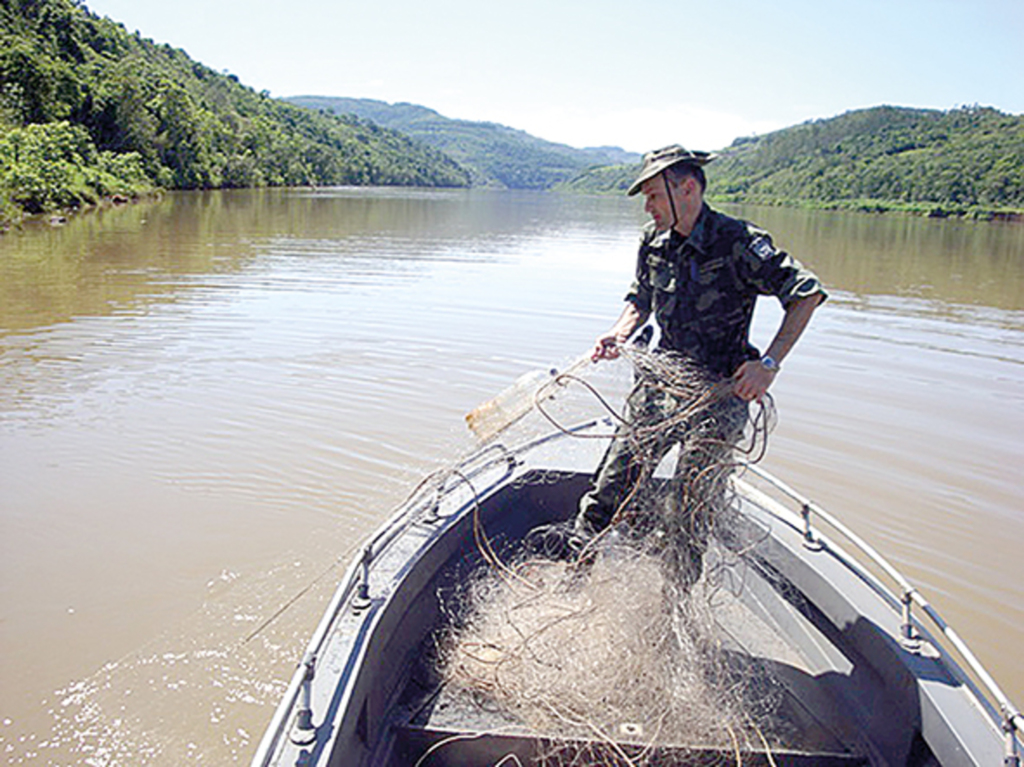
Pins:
x: 659, y: 204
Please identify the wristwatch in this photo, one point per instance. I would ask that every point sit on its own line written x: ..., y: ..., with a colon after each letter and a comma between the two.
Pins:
x: 770, y: 364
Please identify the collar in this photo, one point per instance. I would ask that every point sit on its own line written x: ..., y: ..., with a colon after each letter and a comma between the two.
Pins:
x: 699, y: 236
x: 701, y: 231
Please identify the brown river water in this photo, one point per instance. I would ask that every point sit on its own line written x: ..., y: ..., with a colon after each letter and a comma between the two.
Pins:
x: 207, y: 402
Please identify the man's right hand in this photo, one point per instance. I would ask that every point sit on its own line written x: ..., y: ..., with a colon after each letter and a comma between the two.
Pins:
x: 606, y: 347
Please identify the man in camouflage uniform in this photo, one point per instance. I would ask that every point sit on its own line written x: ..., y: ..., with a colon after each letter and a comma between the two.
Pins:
x: 699, y: 272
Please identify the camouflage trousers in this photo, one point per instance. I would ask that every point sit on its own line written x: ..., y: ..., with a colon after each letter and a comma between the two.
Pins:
x: 680, y: 511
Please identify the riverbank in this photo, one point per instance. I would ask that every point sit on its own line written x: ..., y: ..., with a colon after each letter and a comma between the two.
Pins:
x: 925, y: 209
x: 615, y: 180
x: 55, y: 170
x: 62, y: 216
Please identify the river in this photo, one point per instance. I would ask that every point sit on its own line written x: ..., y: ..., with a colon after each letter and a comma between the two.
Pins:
x: 207, y: 401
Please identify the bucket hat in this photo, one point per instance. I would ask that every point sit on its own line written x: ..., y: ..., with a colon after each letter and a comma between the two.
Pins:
x: 660, y: 159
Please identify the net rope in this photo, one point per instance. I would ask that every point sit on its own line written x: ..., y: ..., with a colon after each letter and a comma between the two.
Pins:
x: 608, y: 645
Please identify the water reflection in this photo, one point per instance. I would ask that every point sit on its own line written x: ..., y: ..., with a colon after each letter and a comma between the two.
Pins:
x: 124, y: 259
x: 948, y: 261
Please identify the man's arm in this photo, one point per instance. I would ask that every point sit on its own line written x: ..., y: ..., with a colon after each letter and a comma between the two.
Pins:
x: 606, y: 347
x: 752, y: 379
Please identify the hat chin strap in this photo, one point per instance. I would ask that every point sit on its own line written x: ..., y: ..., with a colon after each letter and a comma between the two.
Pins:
x: 671, y: 202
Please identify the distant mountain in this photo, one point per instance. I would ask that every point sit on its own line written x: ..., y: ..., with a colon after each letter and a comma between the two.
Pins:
x: 608, y: 179
x: 496, y: 154
x: 968, y: 160
x: 612, y: 155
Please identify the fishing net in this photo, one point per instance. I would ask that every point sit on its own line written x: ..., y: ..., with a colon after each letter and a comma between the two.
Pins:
x: 610, y: 635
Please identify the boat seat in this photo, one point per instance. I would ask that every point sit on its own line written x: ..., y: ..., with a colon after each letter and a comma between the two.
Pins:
x: 459, y: 748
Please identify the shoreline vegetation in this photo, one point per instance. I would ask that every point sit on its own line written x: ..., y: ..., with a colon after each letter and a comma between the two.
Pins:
x: 925, y: 209
x: 91, y: 115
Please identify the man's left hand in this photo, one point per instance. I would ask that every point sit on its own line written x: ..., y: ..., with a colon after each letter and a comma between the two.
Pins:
x: 751, y: 380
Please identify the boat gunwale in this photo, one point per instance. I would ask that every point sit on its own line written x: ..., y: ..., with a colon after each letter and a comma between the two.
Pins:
x: 407, y: 512
x: 993, y: 700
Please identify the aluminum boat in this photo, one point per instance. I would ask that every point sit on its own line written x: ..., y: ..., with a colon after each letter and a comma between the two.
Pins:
x: 872, y: 675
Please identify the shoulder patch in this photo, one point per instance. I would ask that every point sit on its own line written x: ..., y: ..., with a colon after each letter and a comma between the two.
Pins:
x: 762, y: 248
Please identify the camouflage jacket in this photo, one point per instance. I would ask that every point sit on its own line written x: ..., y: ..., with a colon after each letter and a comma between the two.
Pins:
x: 702, y: 288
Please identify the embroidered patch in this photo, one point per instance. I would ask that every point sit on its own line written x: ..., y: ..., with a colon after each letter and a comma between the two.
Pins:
x: 763, y: 249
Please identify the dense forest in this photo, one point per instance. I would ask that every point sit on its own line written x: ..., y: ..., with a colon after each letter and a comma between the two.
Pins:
x: 89, y: 110
x: 496, y: 154
x: 962, y: 161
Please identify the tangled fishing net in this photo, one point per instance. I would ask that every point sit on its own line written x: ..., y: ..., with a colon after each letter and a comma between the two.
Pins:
x: 612, y: 638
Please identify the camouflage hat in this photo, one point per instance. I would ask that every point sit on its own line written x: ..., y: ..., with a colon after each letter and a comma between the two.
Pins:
x: 660, y: 159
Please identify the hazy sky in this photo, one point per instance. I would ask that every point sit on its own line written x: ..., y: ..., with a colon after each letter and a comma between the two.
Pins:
x: 637, y: 74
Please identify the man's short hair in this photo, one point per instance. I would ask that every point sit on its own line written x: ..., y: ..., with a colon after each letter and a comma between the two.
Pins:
x: 676, y: 173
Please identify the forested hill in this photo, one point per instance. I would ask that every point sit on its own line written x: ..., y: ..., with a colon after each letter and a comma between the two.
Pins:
x: 88, y: 108
x: 497, y: 154
x: 968, y: 160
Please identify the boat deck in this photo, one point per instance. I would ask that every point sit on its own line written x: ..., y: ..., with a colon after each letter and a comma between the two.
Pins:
x: 463, y: 729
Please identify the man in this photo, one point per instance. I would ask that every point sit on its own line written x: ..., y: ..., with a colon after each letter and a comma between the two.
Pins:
x: 699, y: 273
